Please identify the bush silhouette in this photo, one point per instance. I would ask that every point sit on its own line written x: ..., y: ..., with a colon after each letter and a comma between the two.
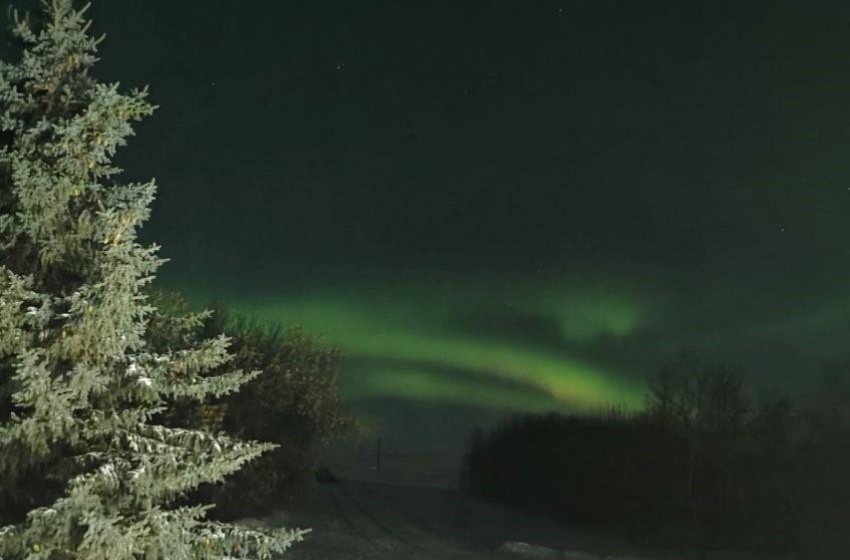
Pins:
x: 706, y: 465
x: 293, y: 403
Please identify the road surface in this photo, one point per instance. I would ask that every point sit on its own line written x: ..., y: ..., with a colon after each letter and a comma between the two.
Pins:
x: 372, y: 521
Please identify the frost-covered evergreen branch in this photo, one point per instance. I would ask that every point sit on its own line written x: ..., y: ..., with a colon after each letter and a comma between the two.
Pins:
x: 86, y: 387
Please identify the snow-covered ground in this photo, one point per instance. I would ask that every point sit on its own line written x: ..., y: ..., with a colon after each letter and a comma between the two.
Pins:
x: 373, y: 521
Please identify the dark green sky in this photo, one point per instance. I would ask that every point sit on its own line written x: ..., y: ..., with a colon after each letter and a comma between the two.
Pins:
x: 495, y: 203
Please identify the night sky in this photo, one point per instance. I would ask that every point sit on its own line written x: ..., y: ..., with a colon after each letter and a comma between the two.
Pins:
x: 494, y: 205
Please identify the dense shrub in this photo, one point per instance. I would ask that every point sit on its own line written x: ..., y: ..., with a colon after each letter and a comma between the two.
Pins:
x: 293, y: 403
x: 579, y: 468
x: 706, y: 465
x: 817, y: 485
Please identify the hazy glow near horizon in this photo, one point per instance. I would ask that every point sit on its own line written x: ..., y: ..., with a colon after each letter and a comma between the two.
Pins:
x: 415, y: 348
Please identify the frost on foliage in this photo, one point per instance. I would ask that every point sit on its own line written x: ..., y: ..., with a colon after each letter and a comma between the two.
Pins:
x: 86, y: 383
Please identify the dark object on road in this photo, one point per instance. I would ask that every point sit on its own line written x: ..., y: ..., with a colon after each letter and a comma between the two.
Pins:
x: 325, y: 476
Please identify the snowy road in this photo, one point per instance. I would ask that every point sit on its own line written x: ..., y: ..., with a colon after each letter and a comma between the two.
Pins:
x: 351, y: 527
x: 360, y: 521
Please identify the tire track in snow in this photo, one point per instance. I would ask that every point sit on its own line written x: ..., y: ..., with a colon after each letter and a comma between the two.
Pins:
x: 386, y: 529
x: 340, y: 514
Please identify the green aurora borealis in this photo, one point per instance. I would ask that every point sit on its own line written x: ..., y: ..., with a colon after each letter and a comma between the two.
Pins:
x: 574, y: 343
x: 464, y: 342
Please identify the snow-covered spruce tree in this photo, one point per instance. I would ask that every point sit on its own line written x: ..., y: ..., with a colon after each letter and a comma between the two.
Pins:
x: 86, y: 387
